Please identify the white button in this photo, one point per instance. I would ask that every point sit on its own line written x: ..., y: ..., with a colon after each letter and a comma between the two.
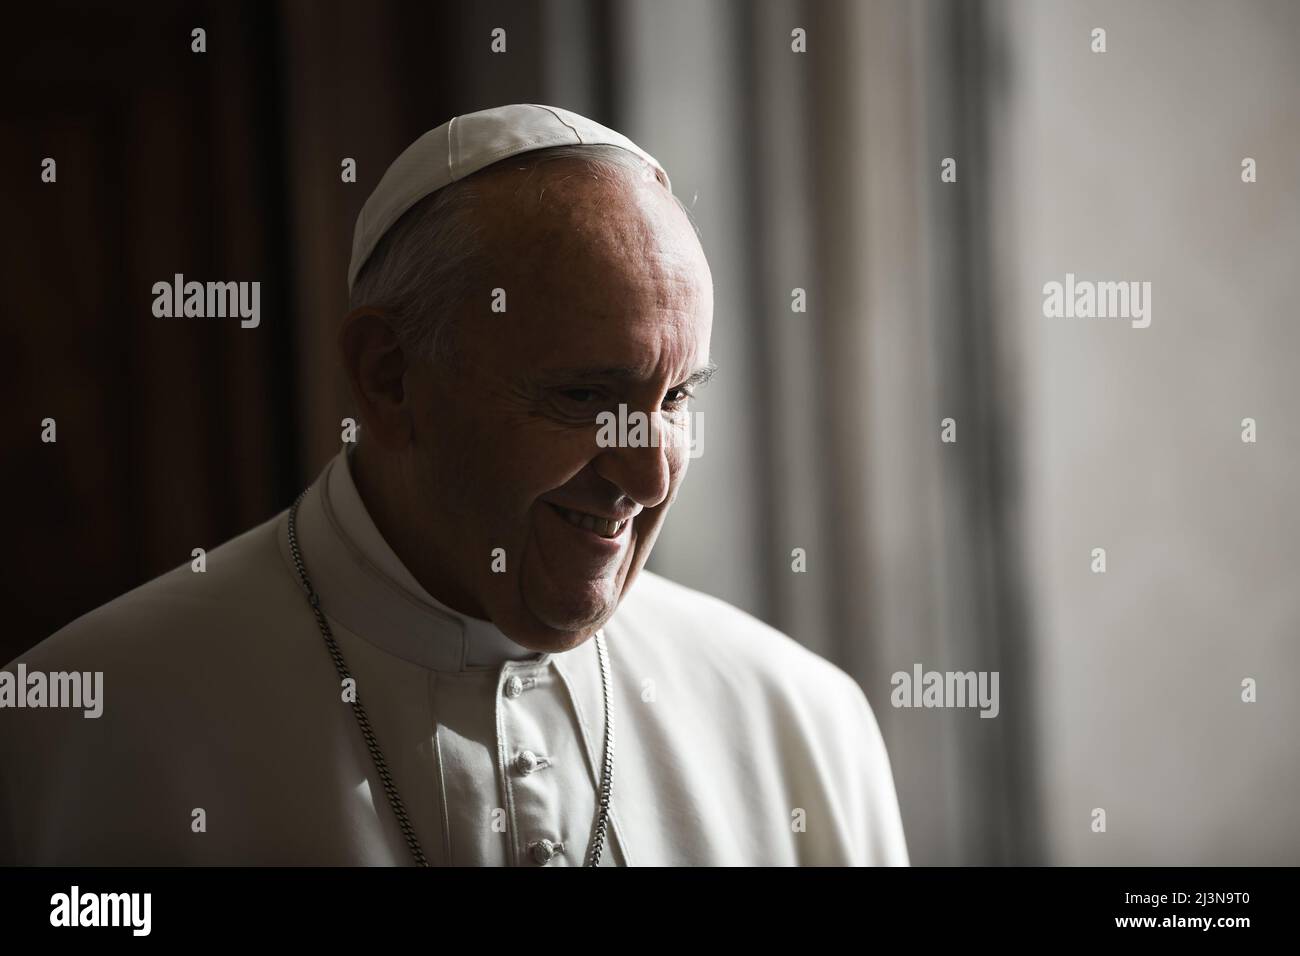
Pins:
x: 526, y: 761
x: 544, y: 851
x: 514, y: 687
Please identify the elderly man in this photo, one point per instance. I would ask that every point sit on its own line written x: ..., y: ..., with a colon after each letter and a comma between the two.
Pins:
x: 446, y: 651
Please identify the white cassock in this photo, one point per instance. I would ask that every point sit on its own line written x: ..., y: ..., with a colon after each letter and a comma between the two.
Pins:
x: 733, y: 744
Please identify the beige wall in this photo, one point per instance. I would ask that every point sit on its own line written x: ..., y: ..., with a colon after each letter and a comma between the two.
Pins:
x: 1126, y: 165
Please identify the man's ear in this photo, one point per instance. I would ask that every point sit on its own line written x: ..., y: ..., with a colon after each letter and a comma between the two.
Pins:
x: 375, y: 364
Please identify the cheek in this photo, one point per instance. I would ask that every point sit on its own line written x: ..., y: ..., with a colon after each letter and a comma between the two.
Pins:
x: 513, y: 469
x: 547, y: 458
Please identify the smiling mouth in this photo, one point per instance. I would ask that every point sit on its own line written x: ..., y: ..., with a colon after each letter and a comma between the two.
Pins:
x: 596, y: 525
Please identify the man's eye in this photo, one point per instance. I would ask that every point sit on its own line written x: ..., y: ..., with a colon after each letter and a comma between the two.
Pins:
x: 581, y: 395
x: 678, y: 397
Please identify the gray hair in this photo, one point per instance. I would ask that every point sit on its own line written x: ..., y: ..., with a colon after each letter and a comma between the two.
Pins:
x: 433, y: 257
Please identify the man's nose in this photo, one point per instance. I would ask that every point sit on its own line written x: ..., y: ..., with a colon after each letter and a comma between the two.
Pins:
x: 643, y: 473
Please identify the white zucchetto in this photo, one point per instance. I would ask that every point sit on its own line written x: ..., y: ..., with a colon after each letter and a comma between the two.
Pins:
x: 464, y: 145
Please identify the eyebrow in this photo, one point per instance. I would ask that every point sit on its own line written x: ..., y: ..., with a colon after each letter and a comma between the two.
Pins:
x: 627, y: 373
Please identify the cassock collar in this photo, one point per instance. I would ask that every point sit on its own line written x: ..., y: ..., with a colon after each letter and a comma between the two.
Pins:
x: 365, y: 587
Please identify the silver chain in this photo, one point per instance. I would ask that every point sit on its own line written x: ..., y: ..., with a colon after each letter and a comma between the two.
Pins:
x: 607, y: 768
x: 372, y: 744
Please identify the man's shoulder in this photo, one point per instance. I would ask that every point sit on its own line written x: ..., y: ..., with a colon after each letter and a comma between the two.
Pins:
x: 707, y: 636
x: 179, y: 686
x: 757, y: 720
x: 239, y: 580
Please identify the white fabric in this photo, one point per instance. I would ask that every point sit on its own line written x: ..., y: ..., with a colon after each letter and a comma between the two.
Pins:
x: 219, y: 694
x: 464, y: 145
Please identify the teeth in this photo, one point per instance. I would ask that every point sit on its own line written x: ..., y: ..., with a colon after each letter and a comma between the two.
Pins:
x: 601, y: 526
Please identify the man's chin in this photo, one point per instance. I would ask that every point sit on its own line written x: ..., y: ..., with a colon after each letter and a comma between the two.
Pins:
x: 555, y: 626
x: 553, y: 641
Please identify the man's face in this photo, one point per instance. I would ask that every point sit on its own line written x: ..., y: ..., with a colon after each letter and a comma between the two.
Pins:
x: 608, y: 302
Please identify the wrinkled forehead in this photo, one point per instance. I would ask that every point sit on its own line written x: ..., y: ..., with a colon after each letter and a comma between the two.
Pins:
x: 594, y: 269
x: 563, y: 237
